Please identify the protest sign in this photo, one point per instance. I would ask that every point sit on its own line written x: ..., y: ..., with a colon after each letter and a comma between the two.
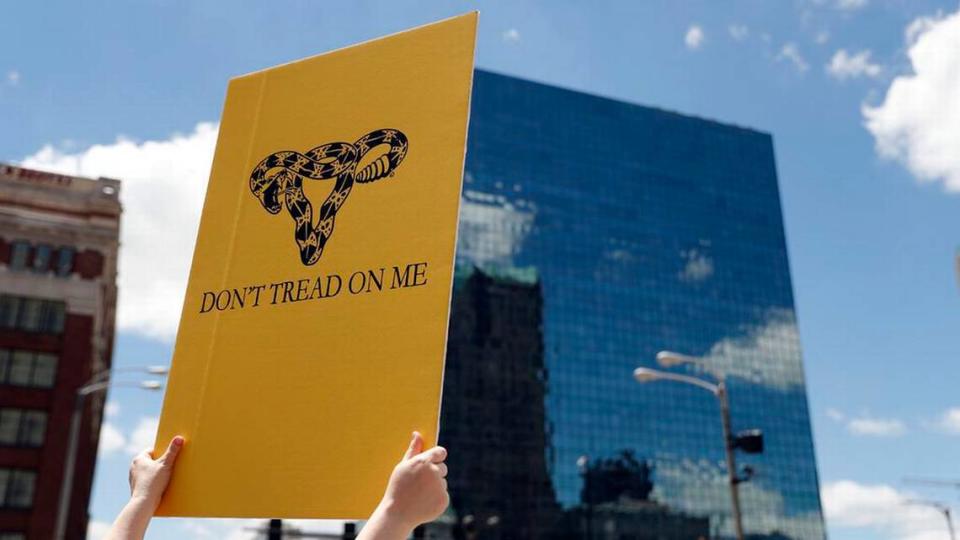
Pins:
x: 313, y: 332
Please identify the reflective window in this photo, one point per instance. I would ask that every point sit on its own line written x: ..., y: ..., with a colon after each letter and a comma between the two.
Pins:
x: 32, y: 314
x: 41, y: 258
x: 28, y: 368
x: 65, y: 257
x: 22, y: 427
x: 20, y: 252
x: 44, y: 370
x: 21, y: 368
x: 16, y: 488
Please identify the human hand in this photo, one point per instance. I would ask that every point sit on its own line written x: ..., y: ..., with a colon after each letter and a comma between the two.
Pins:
x: 149, y: 477
x: 417, y: 491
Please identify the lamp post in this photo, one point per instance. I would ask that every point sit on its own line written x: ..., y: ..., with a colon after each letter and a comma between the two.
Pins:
x: 942, y: 508
x: 98, y: 383
x: 751, y: 441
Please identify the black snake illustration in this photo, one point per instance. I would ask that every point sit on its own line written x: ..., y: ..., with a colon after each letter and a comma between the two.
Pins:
x: 277, y: 181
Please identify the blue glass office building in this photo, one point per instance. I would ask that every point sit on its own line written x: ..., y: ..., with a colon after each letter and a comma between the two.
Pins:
x: 593, y: 234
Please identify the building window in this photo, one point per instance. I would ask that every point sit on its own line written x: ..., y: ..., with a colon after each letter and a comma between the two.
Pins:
x: 41, y: 258
x: 16, y: 488
x: 20, y: 254
x: 22, y: 427
x: 28, y: 368
x: 44, y: 370
x: 32, y: 314
x: 65, y: 260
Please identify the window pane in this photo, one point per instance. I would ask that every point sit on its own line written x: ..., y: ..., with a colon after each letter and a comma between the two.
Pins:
x: 21, y: 368
x: 9, y: 309
x: 65, y: 260
x: 4, y: 365
x: 20, y: 489
x: 45, y: 370
x: 33, y: 428
x: 52, y: 317
x: 4, y: 482
x: 30, y: 310
x: 9, y: 425
x: 41, y: 258
x: 18, y: 259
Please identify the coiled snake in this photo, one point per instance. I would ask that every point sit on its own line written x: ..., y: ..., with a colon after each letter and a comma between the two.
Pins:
x: 277, y: 181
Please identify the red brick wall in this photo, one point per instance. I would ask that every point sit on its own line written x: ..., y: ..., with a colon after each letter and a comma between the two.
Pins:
x: 74, y: 348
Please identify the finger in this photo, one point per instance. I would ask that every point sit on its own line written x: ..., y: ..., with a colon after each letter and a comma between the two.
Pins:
x: 441, y: 469
x: 435, y: 455
x: 173, y: 450
x: 416, y: 445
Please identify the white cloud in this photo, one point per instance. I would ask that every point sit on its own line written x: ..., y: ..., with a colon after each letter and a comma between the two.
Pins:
x: 851, y: 5
x: 768, y: 353
x: 876, y: 427
x: 791, y: 53
x: 917, y: 123
x: 694, y: 37
x: 880, y: 511
x: 492, y: 228
x: 698, y: 267
x: 739, y: 32
x: 97, y: 530
x: 163, y: 187
x: 111, y: 439
x: 511, y: 35
x: 822, y: 37
x: 950, y: 421
x: 111, y: 409
x: 13, y: 77
x: 835, y: 415
x: 143, y: 435
x: 844, y: 65
x: 700, y: 487
x: 868, y: 425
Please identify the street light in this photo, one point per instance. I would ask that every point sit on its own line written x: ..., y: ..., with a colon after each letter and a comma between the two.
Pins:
x: 749, y: 441
x: 98, y: 382
x: 942, y: 508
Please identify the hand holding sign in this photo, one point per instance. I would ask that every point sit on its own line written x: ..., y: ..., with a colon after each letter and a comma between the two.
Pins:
x: 417, y: 493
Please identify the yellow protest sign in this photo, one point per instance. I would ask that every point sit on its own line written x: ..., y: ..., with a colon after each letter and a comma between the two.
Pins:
x: 314, y: 325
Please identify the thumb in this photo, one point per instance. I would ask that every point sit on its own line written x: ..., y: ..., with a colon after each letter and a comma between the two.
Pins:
x: 173, y: 449
x: 416, y: 446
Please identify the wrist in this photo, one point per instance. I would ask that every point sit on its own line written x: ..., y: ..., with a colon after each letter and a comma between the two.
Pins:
x: 142, y: 502
x: 393, y: 515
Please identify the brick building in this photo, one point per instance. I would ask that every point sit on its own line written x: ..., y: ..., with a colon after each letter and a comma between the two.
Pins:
x: 59, y: 237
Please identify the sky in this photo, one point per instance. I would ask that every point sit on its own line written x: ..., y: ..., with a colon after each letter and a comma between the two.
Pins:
x: 861, y: 97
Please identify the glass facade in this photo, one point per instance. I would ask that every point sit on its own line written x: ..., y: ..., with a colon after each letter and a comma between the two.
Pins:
x: 593, y: 234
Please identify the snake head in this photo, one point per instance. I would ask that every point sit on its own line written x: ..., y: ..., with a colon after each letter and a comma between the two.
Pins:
x: 267, y: 185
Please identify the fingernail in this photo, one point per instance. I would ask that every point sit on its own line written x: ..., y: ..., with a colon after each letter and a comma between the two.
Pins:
x: 178, y: 441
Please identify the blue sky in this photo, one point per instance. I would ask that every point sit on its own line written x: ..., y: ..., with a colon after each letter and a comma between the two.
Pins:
x: 872, y: 208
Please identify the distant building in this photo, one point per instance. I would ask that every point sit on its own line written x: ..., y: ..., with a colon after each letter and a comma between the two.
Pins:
x: 59, y: 237
x: 642, y: 230
x: 493, y: 416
